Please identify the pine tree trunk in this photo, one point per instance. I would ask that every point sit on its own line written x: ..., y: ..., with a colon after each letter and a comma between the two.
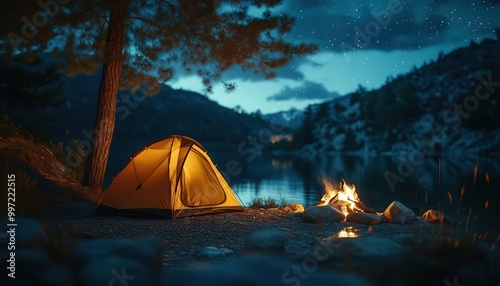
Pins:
x: 106, y: 109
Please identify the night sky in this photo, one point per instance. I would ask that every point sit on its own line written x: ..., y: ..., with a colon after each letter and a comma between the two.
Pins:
x: 414, y: 32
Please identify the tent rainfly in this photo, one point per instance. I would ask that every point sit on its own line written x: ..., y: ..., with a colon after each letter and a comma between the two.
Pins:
x: 173, y: 177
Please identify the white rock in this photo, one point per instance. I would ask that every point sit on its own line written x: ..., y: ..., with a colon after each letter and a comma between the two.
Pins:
x: 396, y: 212
x: 322, y: 214
x: 364, y: 218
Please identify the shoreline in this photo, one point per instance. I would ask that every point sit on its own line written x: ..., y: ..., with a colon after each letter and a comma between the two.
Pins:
x: 183, y: 239
x: 254, y: 247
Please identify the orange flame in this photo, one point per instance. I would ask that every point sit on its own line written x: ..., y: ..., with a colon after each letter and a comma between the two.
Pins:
x: 495, y: 243
x: 468, y: 219
x: 475, y: 174
x: 344, y: 195
x: 462, y: 191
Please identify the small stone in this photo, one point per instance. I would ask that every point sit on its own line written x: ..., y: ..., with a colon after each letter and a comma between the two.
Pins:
x: 396, y: 212
x: 294, y: 208
x: 211, y: 252
x: 322, y: 214
x: 272, y: 241
x: 434, y: 216
x: 363, y: 218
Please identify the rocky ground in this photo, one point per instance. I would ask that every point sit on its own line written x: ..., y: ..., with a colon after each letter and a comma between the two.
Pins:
x: 183, y: 239
x: 255, y: 247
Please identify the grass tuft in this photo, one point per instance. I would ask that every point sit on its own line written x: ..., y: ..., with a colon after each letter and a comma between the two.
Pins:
x: 268, y: 203
x: 72, y: 155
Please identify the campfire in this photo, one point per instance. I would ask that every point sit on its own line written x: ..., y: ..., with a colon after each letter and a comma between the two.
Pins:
x: 343, y: 197
x: 341, y: 203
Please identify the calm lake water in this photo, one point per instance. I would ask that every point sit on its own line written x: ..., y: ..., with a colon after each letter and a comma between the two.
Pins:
x: 461, y: 187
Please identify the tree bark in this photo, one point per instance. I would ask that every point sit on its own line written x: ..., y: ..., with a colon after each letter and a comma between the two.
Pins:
x: 108, y: 89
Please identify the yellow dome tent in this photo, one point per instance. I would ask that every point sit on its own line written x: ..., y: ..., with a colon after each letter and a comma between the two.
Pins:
x: 173, y: 177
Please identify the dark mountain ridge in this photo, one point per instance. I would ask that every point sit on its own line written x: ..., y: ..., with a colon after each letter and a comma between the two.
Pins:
x: 456, y: 96
x: 140, y: 119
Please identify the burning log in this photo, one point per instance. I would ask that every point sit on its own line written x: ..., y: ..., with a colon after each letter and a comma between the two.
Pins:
x: 363, y: 207
x: 343, y: 197
x: 334, y: 199
x: 331, y: 201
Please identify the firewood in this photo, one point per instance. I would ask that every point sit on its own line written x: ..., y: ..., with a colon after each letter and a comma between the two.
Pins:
x: 362, y: 206
x: 333, y: 200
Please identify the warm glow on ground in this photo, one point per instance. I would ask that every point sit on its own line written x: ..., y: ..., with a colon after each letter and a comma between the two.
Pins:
x: 347, y: 232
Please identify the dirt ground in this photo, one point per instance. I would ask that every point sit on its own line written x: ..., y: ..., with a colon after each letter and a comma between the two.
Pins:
x: 183, y: 239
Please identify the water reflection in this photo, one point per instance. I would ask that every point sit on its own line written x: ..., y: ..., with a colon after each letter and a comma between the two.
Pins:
x: 347, y: 232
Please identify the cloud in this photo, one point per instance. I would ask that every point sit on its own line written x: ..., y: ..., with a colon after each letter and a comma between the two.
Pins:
x: 333, y: 25
x: 308, y: 91
x: 289, y: 71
